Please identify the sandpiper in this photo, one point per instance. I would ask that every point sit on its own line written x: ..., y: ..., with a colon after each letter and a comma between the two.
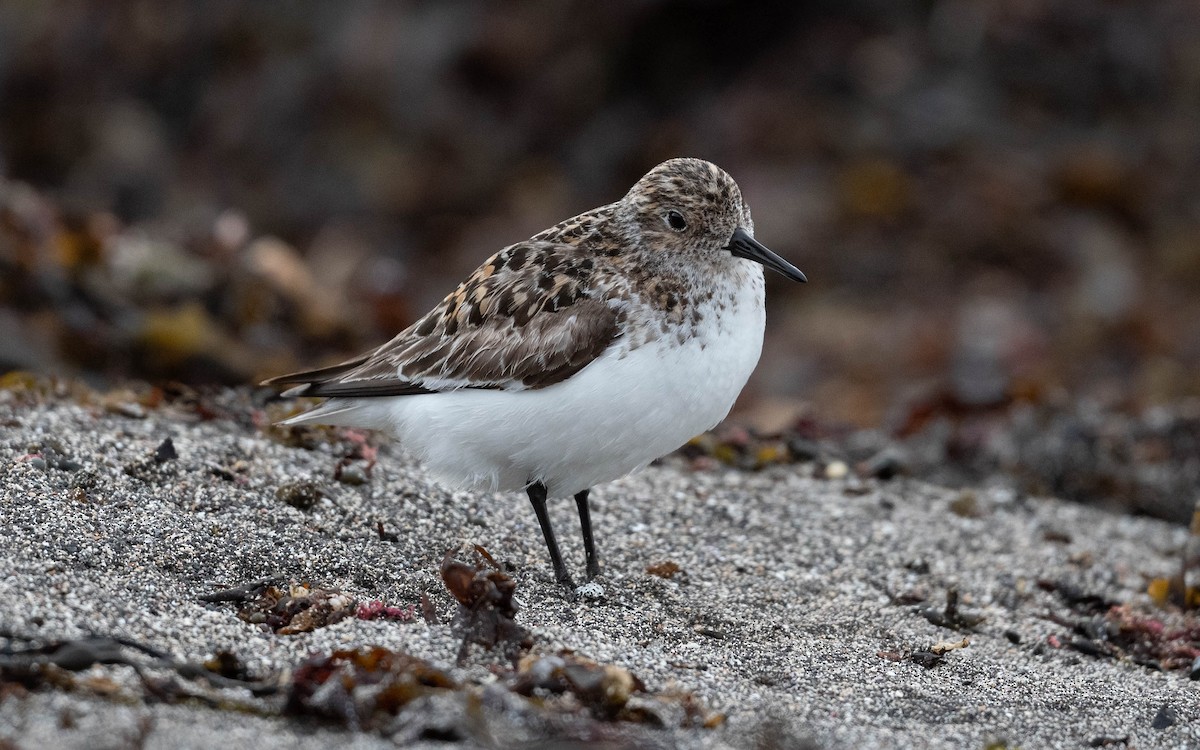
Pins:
x: 577, y: 356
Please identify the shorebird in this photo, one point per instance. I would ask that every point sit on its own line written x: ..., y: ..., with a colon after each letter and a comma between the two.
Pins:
x: 577, y: 356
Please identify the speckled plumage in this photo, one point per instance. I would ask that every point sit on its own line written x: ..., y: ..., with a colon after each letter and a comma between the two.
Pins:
x: 578, y: 355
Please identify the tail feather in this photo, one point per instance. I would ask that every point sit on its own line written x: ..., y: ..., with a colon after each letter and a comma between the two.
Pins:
x: 308, y: 377
x: 336, y: 412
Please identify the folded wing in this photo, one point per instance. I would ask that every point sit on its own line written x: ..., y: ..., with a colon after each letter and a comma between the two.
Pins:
x: 529, y: 317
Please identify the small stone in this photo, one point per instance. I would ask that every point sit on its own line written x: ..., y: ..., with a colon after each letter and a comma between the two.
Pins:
x: 128, y: 409
x: 803, y: 450
x: 1166, y: 717
x: 967, y: 505
x: 886, y: 464
x: 770, y: 679
x: 708, y: 632
x: 85, y: 480
x: 591, y: 591
x: 836, y: 470
x: 299, y: 495
x: 165, y: 452
x: 1195, y: 673
x: 926, y: 659
x: 352, y: 475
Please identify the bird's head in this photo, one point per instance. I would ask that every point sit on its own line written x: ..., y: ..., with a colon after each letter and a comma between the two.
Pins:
x: 692, y: 207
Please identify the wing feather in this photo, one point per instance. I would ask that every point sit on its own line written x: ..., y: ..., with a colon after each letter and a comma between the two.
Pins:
x: 531, y: 316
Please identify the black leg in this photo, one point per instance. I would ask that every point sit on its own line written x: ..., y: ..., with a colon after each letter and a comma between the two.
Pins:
x: 537, y: 497
x: 589, y: 546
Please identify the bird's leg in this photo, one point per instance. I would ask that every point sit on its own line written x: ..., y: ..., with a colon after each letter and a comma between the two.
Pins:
x: 537, y: 497
x: 589, y: 546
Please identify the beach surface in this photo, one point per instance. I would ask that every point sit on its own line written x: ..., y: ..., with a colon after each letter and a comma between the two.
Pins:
x: 790, y: 607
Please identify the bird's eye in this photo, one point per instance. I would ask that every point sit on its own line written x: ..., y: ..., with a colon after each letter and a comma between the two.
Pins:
x: 676, y: 221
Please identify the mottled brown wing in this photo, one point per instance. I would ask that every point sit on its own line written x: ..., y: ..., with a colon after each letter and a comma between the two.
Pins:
x: 531, y: 316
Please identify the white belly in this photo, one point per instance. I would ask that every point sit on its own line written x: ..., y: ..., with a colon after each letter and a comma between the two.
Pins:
x: 612, y: 417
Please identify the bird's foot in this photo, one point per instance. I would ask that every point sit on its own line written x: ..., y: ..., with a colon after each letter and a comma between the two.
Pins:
x: 564, y: 579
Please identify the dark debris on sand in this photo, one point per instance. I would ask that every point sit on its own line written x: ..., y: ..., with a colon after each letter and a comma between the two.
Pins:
x: 1137, y: 461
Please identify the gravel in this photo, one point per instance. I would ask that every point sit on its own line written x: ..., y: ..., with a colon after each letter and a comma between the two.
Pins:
x: 796, y: 607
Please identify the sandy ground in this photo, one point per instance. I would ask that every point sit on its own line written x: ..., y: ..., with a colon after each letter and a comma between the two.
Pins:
x: 797, y: 604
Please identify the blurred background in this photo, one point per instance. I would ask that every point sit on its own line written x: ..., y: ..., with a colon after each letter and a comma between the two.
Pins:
x: 994, y: 201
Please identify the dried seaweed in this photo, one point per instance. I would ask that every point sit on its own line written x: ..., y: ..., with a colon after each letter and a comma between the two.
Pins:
x: 362, y: 687
x: 951, y: 616
x: 487, y: 611
x: 32, y: 662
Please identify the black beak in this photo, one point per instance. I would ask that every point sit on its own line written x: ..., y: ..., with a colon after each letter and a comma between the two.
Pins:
x: 742, y: 245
